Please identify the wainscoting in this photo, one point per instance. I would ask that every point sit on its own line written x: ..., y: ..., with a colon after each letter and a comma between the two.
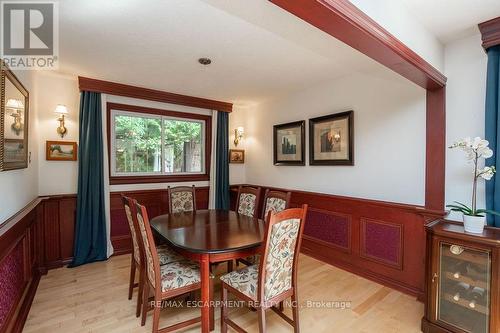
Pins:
x: 382, y: 241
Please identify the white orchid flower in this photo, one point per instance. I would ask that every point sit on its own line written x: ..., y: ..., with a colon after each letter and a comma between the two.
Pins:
x: 487, y: 172
x: 484, y: 152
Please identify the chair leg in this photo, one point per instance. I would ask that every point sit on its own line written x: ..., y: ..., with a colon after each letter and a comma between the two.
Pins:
x: 212, y: 310
x: 139, y: 295
x: 262, y: 319
x: 295, y: 313
x: 281, y: 306
x: 223, y: 310
x: 132, y: 278
x: 230, y: 267
x: 156, y: 317
x: 145, y: 297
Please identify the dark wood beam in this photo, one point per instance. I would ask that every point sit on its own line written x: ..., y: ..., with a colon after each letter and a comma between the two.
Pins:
x: 490, y: 32
x: 125, y: 90
x: 347, y: 23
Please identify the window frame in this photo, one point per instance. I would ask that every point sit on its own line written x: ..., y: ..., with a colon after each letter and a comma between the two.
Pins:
x: 160, y: 177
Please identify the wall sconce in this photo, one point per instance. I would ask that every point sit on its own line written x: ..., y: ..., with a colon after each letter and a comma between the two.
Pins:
x: 16, y: 107
x: 238, y: 135
x: 61, y: 110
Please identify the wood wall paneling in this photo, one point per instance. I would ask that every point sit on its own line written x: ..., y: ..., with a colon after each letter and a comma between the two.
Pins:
x: 398, y: 263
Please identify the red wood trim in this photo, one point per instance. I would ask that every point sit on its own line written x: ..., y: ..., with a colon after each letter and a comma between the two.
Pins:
x: 435, y: 149
x: 347, y: 23
x: 490, y: 32
x: 119, y: 89
x: 116, y: 180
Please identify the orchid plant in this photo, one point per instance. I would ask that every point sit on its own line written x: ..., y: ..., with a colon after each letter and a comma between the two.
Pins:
x: 475, y: 150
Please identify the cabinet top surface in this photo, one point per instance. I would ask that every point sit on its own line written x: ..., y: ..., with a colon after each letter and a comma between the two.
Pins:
x: 452, y: 229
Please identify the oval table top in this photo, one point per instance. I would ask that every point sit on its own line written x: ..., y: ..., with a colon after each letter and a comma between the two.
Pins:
x: 210, y: 231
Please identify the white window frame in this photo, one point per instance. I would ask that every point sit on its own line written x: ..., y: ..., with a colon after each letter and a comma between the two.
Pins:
x: 162, y: 172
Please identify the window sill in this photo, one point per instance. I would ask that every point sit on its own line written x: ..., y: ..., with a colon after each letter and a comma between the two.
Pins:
x: 157, y: 179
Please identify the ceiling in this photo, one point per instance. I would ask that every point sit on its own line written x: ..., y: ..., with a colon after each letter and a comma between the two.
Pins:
x: 449, y: 20
x: 258, y: 51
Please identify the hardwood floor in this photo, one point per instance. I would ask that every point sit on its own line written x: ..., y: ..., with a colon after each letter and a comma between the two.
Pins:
x: 93, y: 298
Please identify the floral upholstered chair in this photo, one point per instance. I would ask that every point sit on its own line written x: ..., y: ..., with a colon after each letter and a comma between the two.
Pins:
x: 274, y: 201
x: 274, y: 279
x: 165, y: 254
x: 164, y: 281
x: 181, y: 199
x: 248, y: 201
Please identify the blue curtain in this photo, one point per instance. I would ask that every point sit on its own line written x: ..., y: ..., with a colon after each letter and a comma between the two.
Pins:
x: 90, y: 232
x: 222, y: 162
x: 492, y: 128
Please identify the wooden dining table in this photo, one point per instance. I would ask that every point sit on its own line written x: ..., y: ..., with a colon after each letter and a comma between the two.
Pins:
x: 210, y: 236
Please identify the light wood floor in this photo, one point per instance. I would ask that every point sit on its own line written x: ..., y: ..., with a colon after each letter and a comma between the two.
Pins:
x: 93, y: 298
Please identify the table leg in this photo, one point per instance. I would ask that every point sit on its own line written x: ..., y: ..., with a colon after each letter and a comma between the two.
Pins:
x: 205, y: 293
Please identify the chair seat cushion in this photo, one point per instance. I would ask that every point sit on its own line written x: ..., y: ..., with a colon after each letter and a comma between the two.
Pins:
x: 179, y: 274
x: 243, y: 280
x: 166, y: 255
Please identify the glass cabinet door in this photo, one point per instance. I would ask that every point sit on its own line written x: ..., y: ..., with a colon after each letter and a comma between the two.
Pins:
x: 463, y: 291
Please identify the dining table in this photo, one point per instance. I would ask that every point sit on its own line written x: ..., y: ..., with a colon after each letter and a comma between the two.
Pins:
x: 210, y: 236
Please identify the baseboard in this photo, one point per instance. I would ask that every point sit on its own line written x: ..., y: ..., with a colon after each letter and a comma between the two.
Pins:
x: 121, y: 244
x: 324, y: 257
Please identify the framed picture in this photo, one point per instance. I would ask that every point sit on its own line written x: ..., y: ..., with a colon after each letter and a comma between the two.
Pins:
x: 236, y: 156
x: 289, y: 143
x: 14, y: 120
x: 331, y: 139
x: 61, y: 151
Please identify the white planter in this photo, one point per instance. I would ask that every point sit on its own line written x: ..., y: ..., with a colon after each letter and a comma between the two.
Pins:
x: 474, y: 224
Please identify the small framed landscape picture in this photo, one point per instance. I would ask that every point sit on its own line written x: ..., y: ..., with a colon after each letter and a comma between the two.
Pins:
x: 289, y: 142
x: 61, y: 151
x: 331, y: 139
x: 236, y: 156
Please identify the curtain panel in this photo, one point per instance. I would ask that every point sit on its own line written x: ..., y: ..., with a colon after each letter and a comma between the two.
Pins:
x: 90, y: 230
x: 222, y: 162
x: 492, y: 127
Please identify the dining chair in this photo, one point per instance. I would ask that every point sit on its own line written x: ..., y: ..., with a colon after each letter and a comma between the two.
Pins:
x: 267, y: 285
x: 274, y: 201
x: 181, y: 199
x: 165, y: 254
x: 167, y: 281
x: 247, y: 202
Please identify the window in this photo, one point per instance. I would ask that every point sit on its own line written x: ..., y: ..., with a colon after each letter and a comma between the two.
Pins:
x: 150, y: 145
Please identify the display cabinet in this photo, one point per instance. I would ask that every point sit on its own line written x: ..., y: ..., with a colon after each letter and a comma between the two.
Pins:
x: 462, y: 279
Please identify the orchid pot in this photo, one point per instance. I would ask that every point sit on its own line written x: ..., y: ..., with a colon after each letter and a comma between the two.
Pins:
x: 476, y: 150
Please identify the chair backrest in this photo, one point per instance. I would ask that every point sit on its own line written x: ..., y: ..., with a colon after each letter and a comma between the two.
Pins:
x: 275, y: 201
x: 248, y: 200
x: 181, y: 199
x: 279, y: 256
x: 130, y: 211
x: 150, y: 252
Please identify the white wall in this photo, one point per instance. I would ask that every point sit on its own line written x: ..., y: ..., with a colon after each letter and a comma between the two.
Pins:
x: 57, y: 177
x: 465, y: 67
x: 400, y: 22
x: 20, y: 187
x: 237, y: 118
x: 389, y: 127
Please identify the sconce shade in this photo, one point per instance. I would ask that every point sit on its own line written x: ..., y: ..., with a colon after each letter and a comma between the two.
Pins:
x: 61, y: 109
x: 14, y: 104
